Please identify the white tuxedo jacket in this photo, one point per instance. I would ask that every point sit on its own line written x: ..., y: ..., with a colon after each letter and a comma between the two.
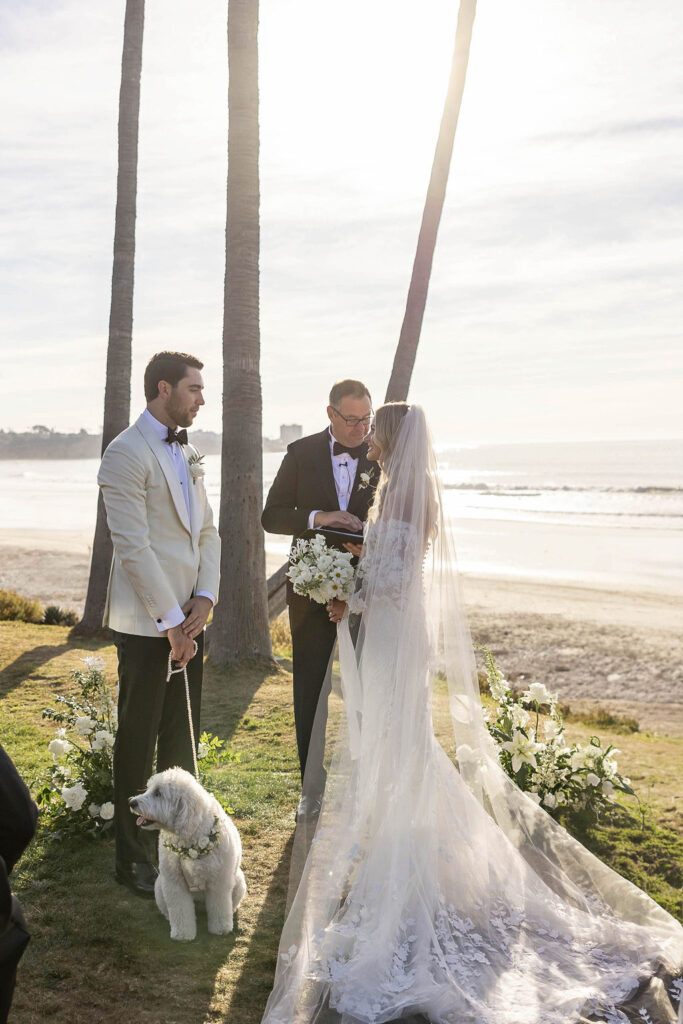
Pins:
x: 159, y: 560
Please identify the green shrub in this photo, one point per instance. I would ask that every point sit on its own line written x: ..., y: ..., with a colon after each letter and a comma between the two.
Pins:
x: 15, y: 608
x: 56, y: 616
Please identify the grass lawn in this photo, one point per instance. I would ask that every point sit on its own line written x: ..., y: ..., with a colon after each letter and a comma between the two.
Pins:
x: 100, y: 954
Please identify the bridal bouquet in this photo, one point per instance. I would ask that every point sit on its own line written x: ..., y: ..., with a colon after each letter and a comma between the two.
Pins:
x: 320, y: 572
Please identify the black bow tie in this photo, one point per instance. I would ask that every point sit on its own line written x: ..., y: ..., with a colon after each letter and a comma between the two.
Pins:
x: 341, y: 449
x: 176, y: 435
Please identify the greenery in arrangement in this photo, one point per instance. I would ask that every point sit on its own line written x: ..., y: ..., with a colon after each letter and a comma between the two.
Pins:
x: 529, y: 730
x: 76, y: 793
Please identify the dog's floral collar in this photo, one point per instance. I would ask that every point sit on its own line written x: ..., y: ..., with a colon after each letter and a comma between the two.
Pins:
x: 199, y: 849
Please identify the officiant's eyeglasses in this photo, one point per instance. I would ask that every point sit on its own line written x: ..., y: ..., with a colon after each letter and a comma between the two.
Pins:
x: 355, y: 421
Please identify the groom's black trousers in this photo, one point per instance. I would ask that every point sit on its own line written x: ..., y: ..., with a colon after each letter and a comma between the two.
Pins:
x: 152, y: 713
x: 313, y: 639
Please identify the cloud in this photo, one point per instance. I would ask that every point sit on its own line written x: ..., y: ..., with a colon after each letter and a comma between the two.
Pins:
x: 559, y: 253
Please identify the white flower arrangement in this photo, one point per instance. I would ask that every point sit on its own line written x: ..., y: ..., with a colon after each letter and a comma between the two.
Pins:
x: 195, y: 465
x: 78, y: 791
x: 320, y: 572
x: 558, y: 777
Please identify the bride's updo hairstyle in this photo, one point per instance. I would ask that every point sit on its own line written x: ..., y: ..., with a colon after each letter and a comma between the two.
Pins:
x: 391, y: 426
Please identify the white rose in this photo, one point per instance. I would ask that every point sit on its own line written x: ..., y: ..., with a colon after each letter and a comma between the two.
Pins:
x: 107, y: 811
x: 538, y: 692
x: 192, y: 853
x: 535, y: 797
x: 202, y: 750
x: 94, y: 664
x: 94, y: 810
x: 74, y: 796
x: 607, y: 788
x: 592, y: 779
x: 203, y: 842
x: 84, y: 725
x: 57, y: 747
x: 520, y: 717
x: 550, y: 800
x: 102, y: 739
x: 551, y: 730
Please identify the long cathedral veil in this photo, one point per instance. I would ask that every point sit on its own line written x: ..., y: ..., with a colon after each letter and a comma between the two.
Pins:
x: 426, y: 891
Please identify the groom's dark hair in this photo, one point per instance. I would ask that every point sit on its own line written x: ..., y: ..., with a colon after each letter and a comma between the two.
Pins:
x: 347, y: 389
x: 168, y: 366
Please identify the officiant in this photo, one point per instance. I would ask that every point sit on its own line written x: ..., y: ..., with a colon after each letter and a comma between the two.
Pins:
x: 326, y: 481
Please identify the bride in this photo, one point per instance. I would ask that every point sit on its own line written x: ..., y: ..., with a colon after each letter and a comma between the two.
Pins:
x: 430, y: 892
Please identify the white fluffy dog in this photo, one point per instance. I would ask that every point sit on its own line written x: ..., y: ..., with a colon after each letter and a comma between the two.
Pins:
x: 199, y: 853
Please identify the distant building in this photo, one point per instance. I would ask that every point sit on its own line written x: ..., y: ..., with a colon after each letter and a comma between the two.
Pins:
x: 290, y: 432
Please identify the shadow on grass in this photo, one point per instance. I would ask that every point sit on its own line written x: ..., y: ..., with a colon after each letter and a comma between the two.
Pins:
x: 255, y: 980
x: 15, y: 673
x: 227, y: 693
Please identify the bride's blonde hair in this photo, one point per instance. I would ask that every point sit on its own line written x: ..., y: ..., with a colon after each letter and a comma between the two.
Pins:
x: 388, y: 420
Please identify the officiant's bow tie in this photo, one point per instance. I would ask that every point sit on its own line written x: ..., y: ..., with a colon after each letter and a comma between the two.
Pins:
x: 341, y: 449
x: 176, y: 435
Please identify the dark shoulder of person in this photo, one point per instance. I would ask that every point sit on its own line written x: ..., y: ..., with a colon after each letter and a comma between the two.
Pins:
x: 302, y: 447
x: 18, y: 812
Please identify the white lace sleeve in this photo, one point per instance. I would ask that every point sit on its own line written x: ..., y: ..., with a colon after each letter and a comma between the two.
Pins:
x: 388, y: 567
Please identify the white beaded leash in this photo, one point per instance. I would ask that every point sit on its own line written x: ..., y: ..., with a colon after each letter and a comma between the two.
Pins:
x: 172, y: 671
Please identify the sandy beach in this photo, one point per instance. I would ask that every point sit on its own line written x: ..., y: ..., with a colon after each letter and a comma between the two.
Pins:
x: 586, y: 643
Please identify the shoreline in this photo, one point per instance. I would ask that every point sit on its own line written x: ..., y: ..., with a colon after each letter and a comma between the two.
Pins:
x: 31, y: 562
x: 585, y: 642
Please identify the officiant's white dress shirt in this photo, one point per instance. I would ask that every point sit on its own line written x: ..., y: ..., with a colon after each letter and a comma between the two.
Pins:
x: 175, y: 451
x: 344, y: 471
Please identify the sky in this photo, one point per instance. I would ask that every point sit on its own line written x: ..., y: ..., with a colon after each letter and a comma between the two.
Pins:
x: 555, y: 303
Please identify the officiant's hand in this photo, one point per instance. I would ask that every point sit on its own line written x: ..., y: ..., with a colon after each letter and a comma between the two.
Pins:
x: 197, y: 611
x: 182, y: 647
x: 336, y: 610
x: 339, y: 520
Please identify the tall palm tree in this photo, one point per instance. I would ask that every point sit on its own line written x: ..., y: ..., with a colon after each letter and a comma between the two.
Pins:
x: 404, y: 360
x: 240, y: 628
x: 117, y: 387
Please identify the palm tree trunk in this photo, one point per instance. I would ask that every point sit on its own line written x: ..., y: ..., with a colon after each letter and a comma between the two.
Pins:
x: 117, y: 387
x: 404, y: 360
x: 240, y: 626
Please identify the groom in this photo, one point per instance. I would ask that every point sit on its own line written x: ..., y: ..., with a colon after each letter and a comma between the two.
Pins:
x: 163, y: 584
x: 325, y: 480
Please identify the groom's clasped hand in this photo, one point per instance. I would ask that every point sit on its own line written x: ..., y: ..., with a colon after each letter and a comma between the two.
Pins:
x: 181, y: 638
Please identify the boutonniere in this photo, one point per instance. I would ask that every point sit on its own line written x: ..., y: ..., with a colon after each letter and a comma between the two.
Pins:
x: 195, y: 464
x: 366, y: 479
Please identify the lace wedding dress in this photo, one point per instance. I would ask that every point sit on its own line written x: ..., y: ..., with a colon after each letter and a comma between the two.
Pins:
x: 435, y: 892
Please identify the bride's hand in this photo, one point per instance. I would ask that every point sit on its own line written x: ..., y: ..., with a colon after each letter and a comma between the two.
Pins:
x: 336, y: 609
x: 355, y: 549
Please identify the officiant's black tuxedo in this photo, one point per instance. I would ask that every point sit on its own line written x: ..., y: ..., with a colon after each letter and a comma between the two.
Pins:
x: 305, y: 481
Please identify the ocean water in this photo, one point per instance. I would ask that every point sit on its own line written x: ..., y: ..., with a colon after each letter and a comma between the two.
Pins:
x: 606, y: 513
